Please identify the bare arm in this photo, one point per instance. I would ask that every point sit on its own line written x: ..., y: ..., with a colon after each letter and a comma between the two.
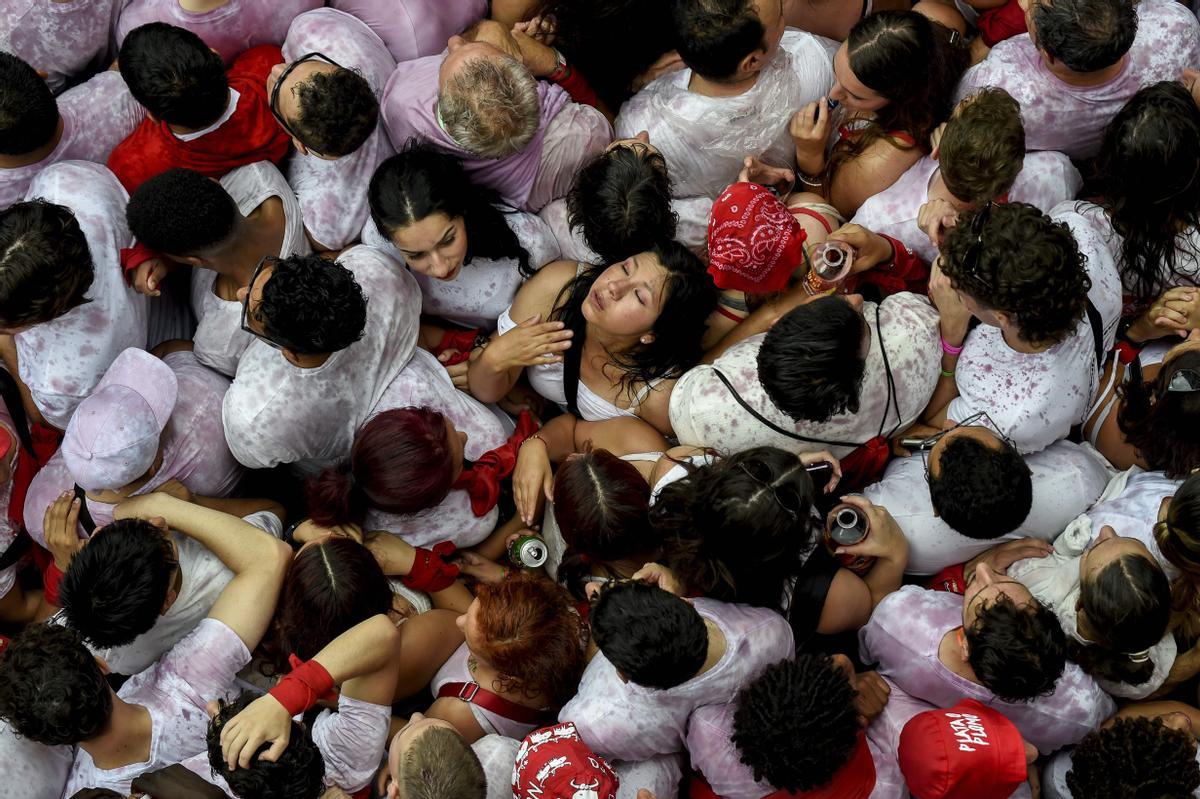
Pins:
x: 396, y: 557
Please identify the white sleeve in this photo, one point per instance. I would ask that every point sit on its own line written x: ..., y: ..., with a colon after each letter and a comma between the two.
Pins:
x: 352, y: 741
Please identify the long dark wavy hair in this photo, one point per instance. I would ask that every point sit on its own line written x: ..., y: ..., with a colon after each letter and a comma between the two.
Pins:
x: 1147, y: 177
x: 690, y: 297
x: 1163, y: 425
x: 419, y: 181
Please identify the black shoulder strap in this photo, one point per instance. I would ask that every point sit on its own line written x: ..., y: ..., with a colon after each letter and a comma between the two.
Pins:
x: 571, y: 360
x: 769, y: 423
x: 85, y: 516
x: 809, y: 594
x: 11, y: 395
x: 1097, y: 325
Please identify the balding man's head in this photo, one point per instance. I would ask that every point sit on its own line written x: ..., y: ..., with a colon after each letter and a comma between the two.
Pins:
x: 487, y: 101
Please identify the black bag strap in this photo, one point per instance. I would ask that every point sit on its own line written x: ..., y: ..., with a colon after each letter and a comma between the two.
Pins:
x: 11, y: 395
x: 1097, y: 325
x: 85, y: 516
x: 809, y: 594
x: 571, y: 361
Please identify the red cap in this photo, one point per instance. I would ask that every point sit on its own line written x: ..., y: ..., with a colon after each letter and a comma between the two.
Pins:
x: 554, y: 763
x: 969, y: 751
x: 754, y: 242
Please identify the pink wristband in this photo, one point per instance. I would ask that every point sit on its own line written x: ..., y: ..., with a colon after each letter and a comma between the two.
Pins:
x: 946, y: 348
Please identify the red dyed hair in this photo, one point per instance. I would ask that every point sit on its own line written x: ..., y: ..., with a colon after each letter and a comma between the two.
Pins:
x: 532, y: 635
x: 400, y: 463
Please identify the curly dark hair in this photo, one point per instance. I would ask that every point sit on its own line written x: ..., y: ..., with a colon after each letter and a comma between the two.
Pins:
x: 116, y: 585
x: 338, y: 112
x: 420, y: 181
x: 1134, y: 758
x: 174, y: 74
x: 1026, y: 266
x: 766, y: 495
x: 1163, y: 425
x: 811, y: 363
x: 796, y: 725
x: 182, y: 212
x: 713, y: 36
x: 1085, y: 35
x: 652, y: 637
x: 46, y: 266
x: 28, y: 110
x: 689, y: 296
x: 621, y: 200
x: 1017, y: 653
x: 298, y: 773
x: 1145, y: 178
x: 51, y: 688
x: 314, y: 305
x: 981, y: 491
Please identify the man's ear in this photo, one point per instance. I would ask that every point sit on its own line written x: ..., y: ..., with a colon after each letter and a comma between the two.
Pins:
x: 299, y: 145
x: 291, y: 357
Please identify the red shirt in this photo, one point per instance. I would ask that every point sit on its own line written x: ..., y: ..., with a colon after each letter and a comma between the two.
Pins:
x: 251, y: 134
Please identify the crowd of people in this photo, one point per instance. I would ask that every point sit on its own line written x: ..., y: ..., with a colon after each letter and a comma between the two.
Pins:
x: 599, y: 399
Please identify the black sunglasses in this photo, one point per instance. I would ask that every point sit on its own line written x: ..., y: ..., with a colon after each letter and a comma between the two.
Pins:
x: 277, y: 343
x: 980, y: 419
x: 975, y: 253
x: 279, y: 83
x: 1184, y: 381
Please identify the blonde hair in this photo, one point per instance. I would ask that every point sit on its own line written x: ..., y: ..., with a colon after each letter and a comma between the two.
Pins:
x: 439, y: 764
x: 490, y: 106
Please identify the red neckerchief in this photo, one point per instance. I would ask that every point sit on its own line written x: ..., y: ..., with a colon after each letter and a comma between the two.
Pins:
x: 482, y: 479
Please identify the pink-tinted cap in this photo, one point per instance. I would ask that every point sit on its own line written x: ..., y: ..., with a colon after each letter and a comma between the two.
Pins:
x: 114, y: 435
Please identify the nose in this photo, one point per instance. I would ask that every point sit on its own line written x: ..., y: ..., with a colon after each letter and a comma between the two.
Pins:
x: 462, y: 437
x: 856, y: 301
x: 455, y: 42
x: 443, y: 267
x: 836, y: 92
x: 1176, y: 721
x: 643, y: 137
x: 1106, y: 533
x: 273, y: 75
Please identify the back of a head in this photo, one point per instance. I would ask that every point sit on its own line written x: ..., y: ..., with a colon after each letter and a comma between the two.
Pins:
x: 1085, y: 35
x: 811, y: 361
x: 1178, y: 535
x: 652, y: 637
x: 116, y: 585
x: 174, y: 75
x: 182, y: 212
x: 330, y: 587
x: 714, y: 36
x: 298, y: 773
x: 621, y: 200
x: 400, y: 463
x: 1134, y: 758
x: 441, y: 765
x: 1018, y: 653
x: 28, y: 111
x: 796, y: 725
x: 45, y: 263
x: 981, y: 491
x: 766, y: 495
x: 1128, y: 604
x: 982, y: 149
x: 1163, y: 425
x: 52, y: 690
x: 338, y: 112
x: 490, y: 107
x: 1145, y: 177
x: 600, y: 504
x: 314, y: 304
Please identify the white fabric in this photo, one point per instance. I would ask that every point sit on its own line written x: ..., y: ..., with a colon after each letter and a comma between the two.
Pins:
x: 230, y: 108
x: 1067, y: 479
x: 175, y: 691
x: 691, y: 229
x: 41, y: 771
x: 704, y: 139
x: 204, y: 577
x: 705, y: 414
x: 62, y: 39
x: 484, y: 288
x: 333, y: 193
x: 219, y: 340
x: 350, y: 740
x: 1045, y: 180
x: 424, y: 383
x: 62, y: 360
x: 627, y: 721
x: 1133, y: 511
x: 279, y: 413
x: 1071, y: 119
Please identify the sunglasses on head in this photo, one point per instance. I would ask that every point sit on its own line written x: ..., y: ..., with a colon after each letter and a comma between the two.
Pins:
x: 1184, y: 381
x: 277, y: 343
x: 283, y: 76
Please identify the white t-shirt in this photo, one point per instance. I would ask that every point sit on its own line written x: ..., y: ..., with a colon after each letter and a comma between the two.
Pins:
x: 175, y: 691
x: 62, y: 39
x: 1067, y: 479
x: 40, y: 770
x: 204, y: 577
x: 1045, y: 180
x: 96, y: 117
x: 424, y: 383
x: 904, y: 635
x: 333, y: 194
x: 1035, y: 398
x: 279, y: 413
x: 705, y: 414
x: 704, y: 139
x: 1071, y: 119
x: 1134, y: 512
x: 62, y: 360
x: 627, y: 721
x: 415, y: 28
x: 229, y: 29
x: 219, y: 339
x: 483, y: 288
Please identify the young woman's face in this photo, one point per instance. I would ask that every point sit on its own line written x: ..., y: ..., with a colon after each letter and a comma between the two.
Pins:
x: 436, y: 246
x: 849, y: 90
x: 1107, y: 547
x: 628, y: 296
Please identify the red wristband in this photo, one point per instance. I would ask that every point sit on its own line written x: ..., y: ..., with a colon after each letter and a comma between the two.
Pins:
x: 430, y: 571
x: 135, y: 256
x: 303, y: 687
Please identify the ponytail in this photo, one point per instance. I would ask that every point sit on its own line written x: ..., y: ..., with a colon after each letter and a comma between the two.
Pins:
x: 334, y: 497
